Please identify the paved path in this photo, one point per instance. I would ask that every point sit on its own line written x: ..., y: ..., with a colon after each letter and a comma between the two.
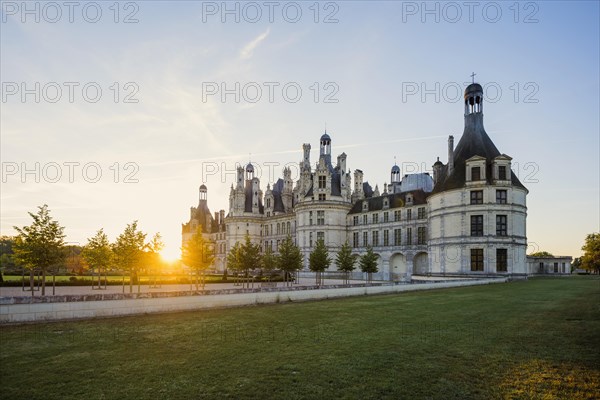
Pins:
x: 70, y: 290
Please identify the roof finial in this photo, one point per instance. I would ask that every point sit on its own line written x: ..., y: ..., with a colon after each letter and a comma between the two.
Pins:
x: 473, y: 77
x: 325, y: 126
x: 249, y: 158
x: 395, y: 160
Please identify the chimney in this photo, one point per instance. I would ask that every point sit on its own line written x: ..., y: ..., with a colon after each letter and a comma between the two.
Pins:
x: 217, y: 218
x: 450, y: 154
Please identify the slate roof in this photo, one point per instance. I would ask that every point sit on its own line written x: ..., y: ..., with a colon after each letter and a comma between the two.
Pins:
x: 474, y: 142
x: 248, y: 203
x: 395, y: 200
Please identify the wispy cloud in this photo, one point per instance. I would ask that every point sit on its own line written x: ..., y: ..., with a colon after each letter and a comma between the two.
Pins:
x: 249, y: 48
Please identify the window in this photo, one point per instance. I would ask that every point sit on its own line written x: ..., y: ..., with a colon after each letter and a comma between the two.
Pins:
x: 386, y: 237
x: 278, y: 229
x: 476, y: 173
x: 322, y: 182
x: 476, y: 225
x: 541, y: 268
x: 365, y: 239
x: 355, y: 220
x: 266, y: 230
x: 421, y: 212
x: 375, y: 218
x: 501, y: 260
x: 386, y: 216
x: 310, y: 217
x: 288, y: 230
x: 421, y: 235
x: 365, y: 219
x: 501, y: 225
x: 375, y: 238
x: 476, y: 196
x: 310, y: 239
x: 409, y: 214
x: 321, y: 236
x: 268, y: 202
x: 502, y: 172
x: 355, y: 239
x: 277, y: 248
x: 397, y: 237
x: 556, y: 268
x: 397, y: 215
x: 501, y: 196
x: 320, y: 217
x: 409, y: 236
x: 322, y: 196
x: 476, y: 259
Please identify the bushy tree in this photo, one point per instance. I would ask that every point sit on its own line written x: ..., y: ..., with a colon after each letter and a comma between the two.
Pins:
x: 541, y: 254
x: 270, y: 261
x: 198, y: 254
x: 345, y: 260
x: 319, y: 261
x: 40, y: 245
x: 153, y: 259
x: 591, y: 253
x: 250, y: 257
x: 368, y: 263
x: 98, y: 254
x: 7, y: 260
x: 290, y: 257
x: 129, y: 250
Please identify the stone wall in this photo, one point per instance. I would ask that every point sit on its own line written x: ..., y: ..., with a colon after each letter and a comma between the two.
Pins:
x: 51, y: 308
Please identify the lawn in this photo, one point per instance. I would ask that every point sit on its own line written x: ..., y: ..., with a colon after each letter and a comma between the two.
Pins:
x: 535, y: 339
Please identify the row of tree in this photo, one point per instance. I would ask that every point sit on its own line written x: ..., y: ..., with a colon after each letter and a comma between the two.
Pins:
x: 41, y: 246
x: 247, y: 256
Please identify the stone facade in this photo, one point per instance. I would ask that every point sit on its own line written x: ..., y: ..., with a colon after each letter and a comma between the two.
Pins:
x: 468, y: 219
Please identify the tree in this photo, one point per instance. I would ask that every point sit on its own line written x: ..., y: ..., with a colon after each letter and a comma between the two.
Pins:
x: 40, y: 245
x: 98, y: 254
x: 541, y: 254
x: 290, y: 257
x: 319, y: 261
x: 345, y: 261
x: 153, y: 259
x: 270, y: 260
x: 250, y: 257
x: 234, y: 259
x: 591, y: 253
x: 368, y: 263
x: 7, y: 261
x: 129, y: 249
x: 197, y: 253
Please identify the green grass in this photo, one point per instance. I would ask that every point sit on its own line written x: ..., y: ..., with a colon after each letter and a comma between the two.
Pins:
x: 532, y: 339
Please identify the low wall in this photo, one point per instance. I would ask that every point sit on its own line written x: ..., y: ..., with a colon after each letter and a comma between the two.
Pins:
x: 17, y: 311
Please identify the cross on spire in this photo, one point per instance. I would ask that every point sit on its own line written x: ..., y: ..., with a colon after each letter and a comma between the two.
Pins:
x: 473, y: 77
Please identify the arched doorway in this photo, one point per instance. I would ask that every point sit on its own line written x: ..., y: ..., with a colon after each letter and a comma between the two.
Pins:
x: 398, y: 267
x: 420, y: 264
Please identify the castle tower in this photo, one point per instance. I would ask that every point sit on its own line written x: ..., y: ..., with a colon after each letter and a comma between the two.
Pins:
x: 325, y: 152
x: 287, y: 193
x: 358, y: 193
x: 489, y: 212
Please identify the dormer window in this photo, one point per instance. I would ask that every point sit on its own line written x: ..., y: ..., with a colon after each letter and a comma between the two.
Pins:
x: 365, y: 206
x: 322, y: 181
x: 502, y: 172
x: 409, y: 199
x: 476, y: 169
x: 386, y: 203
x: 501, y: 168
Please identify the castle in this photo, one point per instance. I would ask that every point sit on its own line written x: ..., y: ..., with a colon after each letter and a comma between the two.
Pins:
x: 469, y: 218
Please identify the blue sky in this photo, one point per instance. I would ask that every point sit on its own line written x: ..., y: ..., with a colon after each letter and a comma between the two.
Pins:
x: 542, y: 56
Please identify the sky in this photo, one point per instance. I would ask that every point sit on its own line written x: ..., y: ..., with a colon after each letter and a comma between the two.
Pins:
x: 115, y: 112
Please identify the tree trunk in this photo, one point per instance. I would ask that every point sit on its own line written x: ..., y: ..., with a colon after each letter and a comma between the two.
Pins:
x: 43, y: 281
x: 31, y: 282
